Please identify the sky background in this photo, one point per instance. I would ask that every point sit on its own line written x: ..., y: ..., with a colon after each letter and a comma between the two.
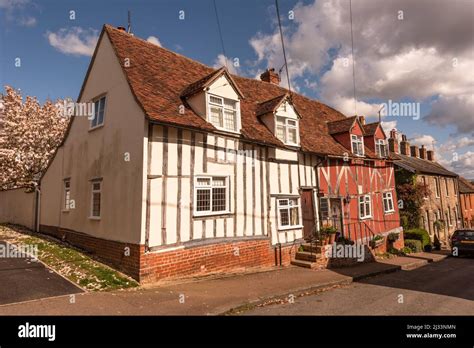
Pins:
x: 404, y: 51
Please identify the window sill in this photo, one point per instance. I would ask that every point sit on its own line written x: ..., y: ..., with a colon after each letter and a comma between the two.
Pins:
x: 286, y: 228
x: 96, y: 218
x: 225, y: 130
x: 213, y: 214
x: 366, y: 218
x: 96, y: 127
x: 390, y: 212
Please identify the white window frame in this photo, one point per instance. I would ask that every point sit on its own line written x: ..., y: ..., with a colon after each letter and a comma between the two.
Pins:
x: 227, y: 193
x: 96, y: 112
x: 93, y: 182
x: 388, y: 197
x: 379, y: 145
x: 288, y: 207
x: 66, y: 195
x: 358, y: 139
x: 365, y: 199
x: 223, y: 108
x: 286, y: 126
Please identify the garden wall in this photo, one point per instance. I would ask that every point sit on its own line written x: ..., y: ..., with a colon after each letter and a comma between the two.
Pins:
x: 17, y: 207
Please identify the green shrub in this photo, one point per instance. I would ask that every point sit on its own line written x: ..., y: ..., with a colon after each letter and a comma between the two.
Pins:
x: 405, y: 250
x: 414, y: 245
x: 421, y: 235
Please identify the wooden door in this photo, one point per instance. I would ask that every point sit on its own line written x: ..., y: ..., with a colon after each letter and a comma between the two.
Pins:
x: 336, y: 214
x: 307, y: 207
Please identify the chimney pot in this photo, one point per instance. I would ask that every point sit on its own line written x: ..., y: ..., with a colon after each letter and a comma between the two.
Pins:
x: 270, y: 76
x: 415, y: 151
x: 430, y: 155
x: 404, y: 146
x: 362, y: 120
x: 423, y: 153
x: 121, y: 29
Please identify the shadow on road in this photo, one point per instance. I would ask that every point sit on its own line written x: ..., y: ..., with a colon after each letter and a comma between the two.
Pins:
x: 453, y: 276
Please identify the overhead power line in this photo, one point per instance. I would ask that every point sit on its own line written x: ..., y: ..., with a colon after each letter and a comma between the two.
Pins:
x: 220, y: 33
x: 353, y: 59
x: 283, y: 45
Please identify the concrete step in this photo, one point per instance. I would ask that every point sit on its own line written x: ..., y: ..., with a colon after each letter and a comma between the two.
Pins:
x: 307, y: 256
x: 314, y: 248
x: 302, y: 263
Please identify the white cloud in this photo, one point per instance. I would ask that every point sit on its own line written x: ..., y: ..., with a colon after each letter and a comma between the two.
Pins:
x: 74, y: 41
x: 154, y: 40
x: 424, y: 139
x: 222, y: 60
x: 27, y: 21
x: 393, y: 59
x: 388, y: 126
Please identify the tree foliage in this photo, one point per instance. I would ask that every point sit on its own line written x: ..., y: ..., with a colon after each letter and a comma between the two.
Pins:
x: 29, y: 136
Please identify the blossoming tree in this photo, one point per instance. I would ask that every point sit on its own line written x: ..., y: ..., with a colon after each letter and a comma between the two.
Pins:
x: 29, y: 136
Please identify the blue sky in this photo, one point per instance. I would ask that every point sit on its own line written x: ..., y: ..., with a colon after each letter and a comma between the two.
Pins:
x: 416, y: 59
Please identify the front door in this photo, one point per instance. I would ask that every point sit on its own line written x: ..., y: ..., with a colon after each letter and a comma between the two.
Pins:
x: 307, y: 207
x: 336, y: 214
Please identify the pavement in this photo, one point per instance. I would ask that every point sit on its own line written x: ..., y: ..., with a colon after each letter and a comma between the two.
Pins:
x: 215, y: 296
x: 443, y: 288
x: 23, y: 279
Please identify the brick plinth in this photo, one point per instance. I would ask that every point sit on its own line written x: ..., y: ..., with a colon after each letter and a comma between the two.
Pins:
x: 187, y: 261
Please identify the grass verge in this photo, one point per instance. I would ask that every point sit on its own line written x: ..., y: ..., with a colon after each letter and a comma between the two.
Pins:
x: 69, y: 262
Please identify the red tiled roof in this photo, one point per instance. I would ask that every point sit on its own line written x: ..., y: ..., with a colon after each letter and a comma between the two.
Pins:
x: 158, y: 77
x: 270, y: 105
x: 370, y: 128
x: 341, y: 126
x: 465, y: 186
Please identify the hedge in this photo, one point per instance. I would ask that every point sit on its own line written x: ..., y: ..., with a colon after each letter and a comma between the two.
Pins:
x: 413, y: 244
x: 420, y: 235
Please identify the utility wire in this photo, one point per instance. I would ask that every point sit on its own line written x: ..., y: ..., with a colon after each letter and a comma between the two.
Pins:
x: 283, y: 45
x: 220, y: 33
x: 353, y: 60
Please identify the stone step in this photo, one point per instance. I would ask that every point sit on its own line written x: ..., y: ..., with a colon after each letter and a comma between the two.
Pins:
x: 305, y: 264
x: 307, y: 256
x: 314, y: 248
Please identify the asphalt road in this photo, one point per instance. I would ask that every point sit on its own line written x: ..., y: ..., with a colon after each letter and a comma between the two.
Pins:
x: 22, y: 279
x: 441, y: 288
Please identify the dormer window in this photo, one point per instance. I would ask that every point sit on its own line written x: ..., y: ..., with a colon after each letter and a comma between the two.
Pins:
x: 357, y: 143
x: 381, y: 147
x: 223, y: 113
x: 287, y: 130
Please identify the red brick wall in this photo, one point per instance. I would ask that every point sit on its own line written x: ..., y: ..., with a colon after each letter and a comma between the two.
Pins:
x: 223, y: 257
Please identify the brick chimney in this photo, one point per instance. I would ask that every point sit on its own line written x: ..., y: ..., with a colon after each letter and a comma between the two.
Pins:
x: 393, y: 142
x: 414, y: 151
x: 404, y: 146
x: 270, y: 76
x: 430, y: 155
x: 362, y: 120
x: 423, y: 154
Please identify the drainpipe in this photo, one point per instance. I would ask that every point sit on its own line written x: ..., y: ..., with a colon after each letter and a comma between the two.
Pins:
x: 37, y: 207
x: 317, y: 195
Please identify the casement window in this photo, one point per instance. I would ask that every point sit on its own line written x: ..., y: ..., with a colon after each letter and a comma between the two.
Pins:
x: 99, y: 111
x: 365, y: 209
x: 324, y: 208
x: 447, y: 186
x: 455, y: 187
x: 211, y: 195
x: 438, y: 188
x: 387, y: 202
x: 450, y: 217
x: 288, y: 213
x: 357, y: 143
x: 287, y: 130
x: 224, y: 113
x: 96, y: 196
x: 381, y: 147
x: 67, y: 194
